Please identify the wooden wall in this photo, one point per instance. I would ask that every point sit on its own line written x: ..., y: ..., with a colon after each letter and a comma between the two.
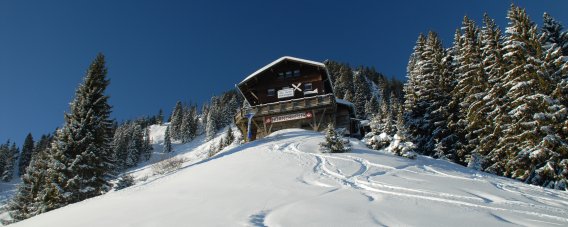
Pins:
x: 270, y: 79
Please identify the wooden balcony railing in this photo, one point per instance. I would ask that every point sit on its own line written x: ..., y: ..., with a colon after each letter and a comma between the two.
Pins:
x: 292, y: 105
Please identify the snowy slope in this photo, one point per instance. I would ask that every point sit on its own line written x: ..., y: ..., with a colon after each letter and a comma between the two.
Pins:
x: 282, y: 180
x: 192, y: 152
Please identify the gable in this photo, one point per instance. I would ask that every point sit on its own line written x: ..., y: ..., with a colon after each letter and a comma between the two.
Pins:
x: 285, y: 72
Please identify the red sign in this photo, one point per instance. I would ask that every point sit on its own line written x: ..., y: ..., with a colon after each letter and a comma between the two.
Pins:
x: 288, y: 117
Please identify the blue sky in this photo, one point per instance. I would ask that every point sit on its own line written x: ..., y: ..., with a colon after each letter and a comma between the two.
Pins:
x: 159, y: 52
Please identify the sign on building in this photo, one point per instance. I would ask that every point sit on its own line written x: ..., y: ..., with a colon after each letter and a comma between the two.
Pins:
x: 285, y: 93
x: 288, y: 117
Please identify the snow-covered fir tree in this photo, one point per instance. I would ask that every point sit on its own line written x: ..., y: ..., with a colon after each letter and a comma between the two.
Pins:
x: 230, y: 137
x: 27, y: 202
x: 426, y: 114
x: 553, y: 34
x: 361, y: 93
x: 469, y: 88
x: 371, y: 107
x: 8, y: 157
x: 333, y: 69
x: 210, y: 128
x: 167, y: 141
x: 125, y: 181
x: 334, y: 142
x: 194, y: 124
x: 507, y: 113
x: 130, y: 145
x: 185, y: 128
x: 343, y: 87
x: 490, y: 107
x: 401, y: 130
x: 160, y: 117
x: 414, y: 109
x: 527, y: 92
x: 176, y: 121
x: 147, y: 146
x: 28, y: 149
x: 80, y: 155
x: 135, y: 146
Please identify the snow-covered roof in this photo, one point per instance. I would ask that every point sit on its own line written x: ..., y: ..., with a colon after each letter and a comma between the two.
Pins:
x: 365, y: 123
x: 344, y: 102
x: 280, y: 60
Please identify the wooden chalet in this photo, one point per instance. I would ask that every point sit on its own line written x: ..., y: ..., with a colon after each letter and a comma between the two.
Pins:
x: 291, y: 93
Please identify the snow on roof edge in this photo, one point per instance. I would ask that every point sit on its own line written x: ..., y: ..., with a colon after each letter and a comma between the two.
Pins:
x: 344, y: 102
x: 279, y: 60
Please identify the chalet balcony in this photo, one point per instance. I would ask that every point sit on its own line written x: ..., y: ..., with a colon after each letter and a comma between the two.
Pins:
x: 287, y: 106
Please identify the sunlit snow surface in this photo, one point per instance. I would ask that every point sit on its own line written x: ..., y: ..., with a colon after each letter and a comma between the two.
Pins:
x: 283, y: 180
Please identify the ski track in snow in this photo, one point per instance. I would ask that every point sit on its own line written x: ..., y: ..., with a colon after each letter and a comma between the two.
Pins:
x: 329, y: 181
x: 325, y: 168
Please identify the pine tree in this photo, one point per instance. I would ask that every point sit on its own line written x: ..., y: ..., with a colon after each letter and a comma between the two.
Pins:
x: 176, y: 121
x: 230, y: 138
x: 203, y: 119
x: 494, y: 101
x: 525, y: 144
x: 383, y: 109
x: 44, y: 143
x: 362, y: 93
x: 447, y: 139
x: 210, y: 128
x: 334, y: 142
x: 135, y: 145
x: 435, y: 89
x: 26, y: 202
x: 194, y: 125
x: 422, y: 116
x: 119, y: 147
x: 390, y: 118
x: 125, y: 181
x: 414, y: 113
x: 26, y: 156
x: 348, y: 96
x: 333, y: 69
x: 545, y: 159
x: 79, y: 158
x: 553, y: 34
x: 9, y: 159
x: 401, y: 130
x: 343, y: 87
x: 470, y: 88
x: 389, y: 127
x: 147, y: 146
x: 167, y: 141
x: 410, y: 94
x: 467, y: 72
x: 4, y: 152
x: 371, y: 107
x: 185, y: 129
x: 160, y: 117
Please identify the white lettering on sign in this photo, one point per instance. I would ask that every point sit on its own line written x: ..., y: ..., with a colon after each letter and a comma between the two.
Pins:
x: 289, y: 117
x: 286, y: 93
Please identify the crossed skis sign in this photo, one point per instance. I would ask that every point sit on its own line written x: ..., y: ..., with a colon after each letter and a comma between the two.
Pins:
x: 297, y: 87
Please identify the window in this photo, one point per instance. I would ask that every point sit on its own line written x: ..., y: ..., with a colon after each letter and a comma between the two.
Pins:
x: 297, y: 73
x: 307, y: 86
x: 288, y: 74
x: 280, y: 75
x: 271, y: 92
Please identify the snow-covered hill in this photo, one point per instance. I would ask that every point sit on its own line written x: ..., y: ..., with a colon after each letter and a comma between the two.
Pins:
x: 283, y: 180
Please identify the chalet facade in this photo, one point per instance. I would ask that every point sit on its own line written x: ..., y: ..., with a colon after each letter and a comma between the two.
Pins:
x: 291, y: 93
